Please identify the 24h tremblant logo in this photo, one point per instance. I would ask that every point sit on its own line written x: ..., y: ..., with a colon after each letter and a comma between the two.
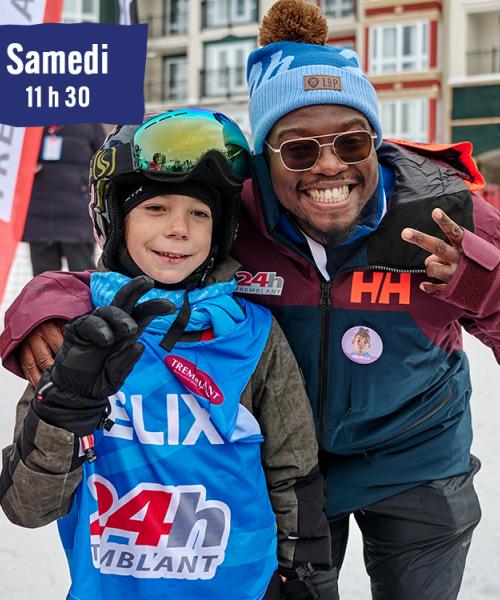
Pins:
x: 157, y: 531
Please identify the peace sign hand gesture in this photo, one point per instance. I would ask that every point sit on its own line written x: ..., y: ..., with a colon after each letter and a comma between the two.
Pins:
x: 98, y: 352
x: 445, y: 255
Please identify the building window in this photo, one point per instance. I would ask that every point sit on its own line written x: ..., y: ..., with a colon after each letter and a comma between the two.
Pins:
x: 405, y: 119
x: 225, y: 68
x: 80, y: 11
x: 220, y: 13
x: 175, y: 78
x: 400, y: 47
x: 338, y: 8
x: 175, y: 17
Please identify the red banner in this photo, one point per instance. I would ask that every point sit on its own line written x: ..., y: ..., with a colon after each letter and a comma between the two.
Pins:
x: 19, y: 147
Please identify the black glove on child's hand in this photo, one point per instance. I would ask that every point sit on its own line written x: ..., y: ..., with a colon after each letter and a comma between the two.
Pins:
x: 98, y: 352
x: 311, y: 584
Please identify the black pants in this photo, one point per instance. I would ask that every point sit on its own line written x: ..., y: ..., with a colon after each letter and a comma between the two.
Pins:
x: 46, y: 256
x: 273, y: 589
x: 415, y: 544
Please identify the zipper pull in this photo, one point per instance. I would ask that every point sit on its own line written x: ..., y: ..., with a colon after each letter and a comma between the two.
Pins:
x: 366, y: 457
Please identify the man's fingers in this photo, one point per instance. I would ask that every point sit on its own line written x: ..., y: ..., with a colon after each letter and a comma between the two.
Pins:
x: 145, y: 312
x: 36, y: 355
x: 452, y: 231
x: 51, y: 331
x: 432, y: 288
x: 432, y: 244
x: 28, y: 364
x: 127, y: 296
x: 440, y: 271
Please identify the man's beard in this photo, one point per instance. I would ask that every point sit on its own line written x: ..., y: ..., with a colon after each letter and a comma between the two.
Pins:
x: 328, y: 238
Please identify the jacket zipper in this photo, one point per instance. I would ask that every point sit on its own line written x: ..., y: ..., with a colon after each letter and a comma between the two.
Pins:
x: 380, y: 268
x: 323, y: 355
x: 408, y: 428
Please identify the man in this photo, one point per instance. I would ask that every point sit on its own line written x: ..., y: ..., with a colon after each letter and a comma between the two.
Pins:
x: 341, y: 231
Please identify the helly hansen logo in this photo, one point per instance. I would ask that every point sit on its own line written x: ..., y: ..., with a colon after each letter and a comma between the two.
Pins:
x: 195, y: 380
x: 157, y: 531
x: 380, y: 288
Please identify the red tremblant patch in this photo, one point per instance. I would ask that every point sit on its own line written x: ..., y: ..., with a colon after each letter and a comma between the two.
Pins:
x: 193, y: 379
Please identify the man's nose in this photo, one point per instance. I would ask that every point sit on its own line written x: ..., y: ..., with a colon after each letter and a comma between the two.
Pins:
x: 328, y: 163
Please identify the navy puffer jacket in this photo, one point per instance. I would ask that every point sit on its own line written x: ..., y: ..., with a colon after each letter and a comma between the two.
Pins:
x: 58, y: 210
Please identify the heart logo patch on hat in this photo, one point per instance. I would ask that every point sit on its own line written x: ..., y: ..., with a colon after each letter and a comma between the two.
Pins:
x: 322, y: 82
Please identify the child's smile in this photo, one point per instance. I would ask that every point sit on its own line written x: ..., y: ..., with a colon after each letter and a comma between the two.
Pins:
x: 169, y: 236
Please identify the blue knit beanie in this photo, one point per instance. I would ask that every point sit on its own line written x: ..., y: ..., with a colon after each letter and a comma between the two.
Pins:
x: 285, y: 75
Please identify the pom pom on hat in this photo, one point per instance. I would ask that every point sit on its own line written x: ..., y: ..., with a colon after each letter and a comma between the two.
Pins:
x: 296, y: 68
x: 293, y: 21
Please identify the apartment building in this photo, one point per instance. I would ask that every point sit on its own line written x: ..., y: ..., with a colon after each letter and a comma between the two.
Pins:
x: 434, y: 63
x: 198, y: 49
x: 402, y: 59
x: 472, y: 68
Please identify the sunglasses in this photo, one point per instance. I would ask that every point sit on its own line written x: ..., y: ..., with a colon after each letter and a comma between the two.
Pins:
x: 302, y: 154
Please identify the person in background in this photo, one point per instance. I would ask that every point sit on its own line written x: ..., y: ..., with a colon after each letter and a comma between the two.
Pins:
x: 57, y: 224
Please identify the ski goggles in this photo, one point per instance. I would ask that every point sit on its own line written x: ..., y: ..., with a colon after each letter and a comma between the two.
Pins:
x: 302, y: 154
x: 173, y: 144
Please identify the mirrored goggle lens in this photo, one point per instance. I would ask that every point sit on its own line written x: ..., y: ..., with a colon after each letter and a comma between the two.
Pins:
x: 351, y: 148
x: 174, y: 142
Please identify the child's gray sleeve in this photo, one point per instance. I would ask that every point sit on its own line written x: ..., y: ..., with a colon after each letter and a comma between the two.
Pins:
x: 277, y: 398
x: 39, y: 474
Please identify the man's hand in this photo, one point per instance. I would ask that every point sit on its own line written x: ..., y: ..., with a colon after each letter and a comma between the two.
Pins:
x: 38, y: 349
x: 444, y: 258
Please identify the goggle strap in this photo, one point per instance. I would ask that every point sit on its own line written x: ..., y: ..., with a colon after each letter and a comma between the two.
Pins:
x: 124, y: 160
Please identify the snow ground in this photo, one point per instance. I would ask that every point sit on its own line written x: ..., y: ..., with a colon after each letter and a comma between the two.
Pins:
x: 32, y: 564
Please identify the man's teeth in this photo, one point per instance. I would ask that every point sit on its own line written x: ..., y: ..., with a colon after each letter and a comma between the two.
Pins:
x: 333, y: 195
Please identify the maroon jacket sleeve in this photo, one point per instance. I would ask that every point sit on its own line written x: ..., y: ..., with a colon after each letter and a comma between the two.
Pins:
x: 475, y: 285
x: 48, y: 296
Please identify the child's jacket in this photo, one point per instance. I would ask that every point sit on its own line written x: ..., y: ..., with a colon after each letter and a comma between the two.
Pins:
x: 177, y: 501
x: 178, y: 491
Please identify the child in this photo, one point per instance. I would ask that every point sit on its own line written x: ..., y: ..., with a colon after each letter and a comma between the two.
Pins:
x: 168, y: 388
x: 361, y: 342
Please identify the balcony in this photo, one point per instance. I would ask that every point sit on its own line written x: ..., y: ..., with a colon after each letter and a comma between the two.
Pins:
x: 227, y: 13
x: 223, y: 82
x: 483, y: 62
x: 338, y: 8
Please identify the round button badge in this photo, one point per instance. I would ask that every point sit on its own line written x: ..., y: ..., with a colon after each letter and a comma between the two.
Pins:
x: 362, y: 345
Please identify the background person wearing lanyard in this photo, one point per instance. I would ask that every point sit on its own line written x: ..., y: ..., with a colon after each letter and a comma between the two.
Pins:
x: 57, y: 224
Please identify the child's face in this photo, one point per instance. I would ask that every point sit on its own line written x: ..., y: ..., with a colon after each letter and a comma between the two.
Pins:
x: 169, y: 236
x: 361, y: 344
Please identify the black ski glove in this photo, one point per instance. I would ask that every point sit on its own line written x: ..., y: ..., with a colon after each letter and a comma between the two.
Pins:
x: 98, y: 352
x: 309, y: 584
